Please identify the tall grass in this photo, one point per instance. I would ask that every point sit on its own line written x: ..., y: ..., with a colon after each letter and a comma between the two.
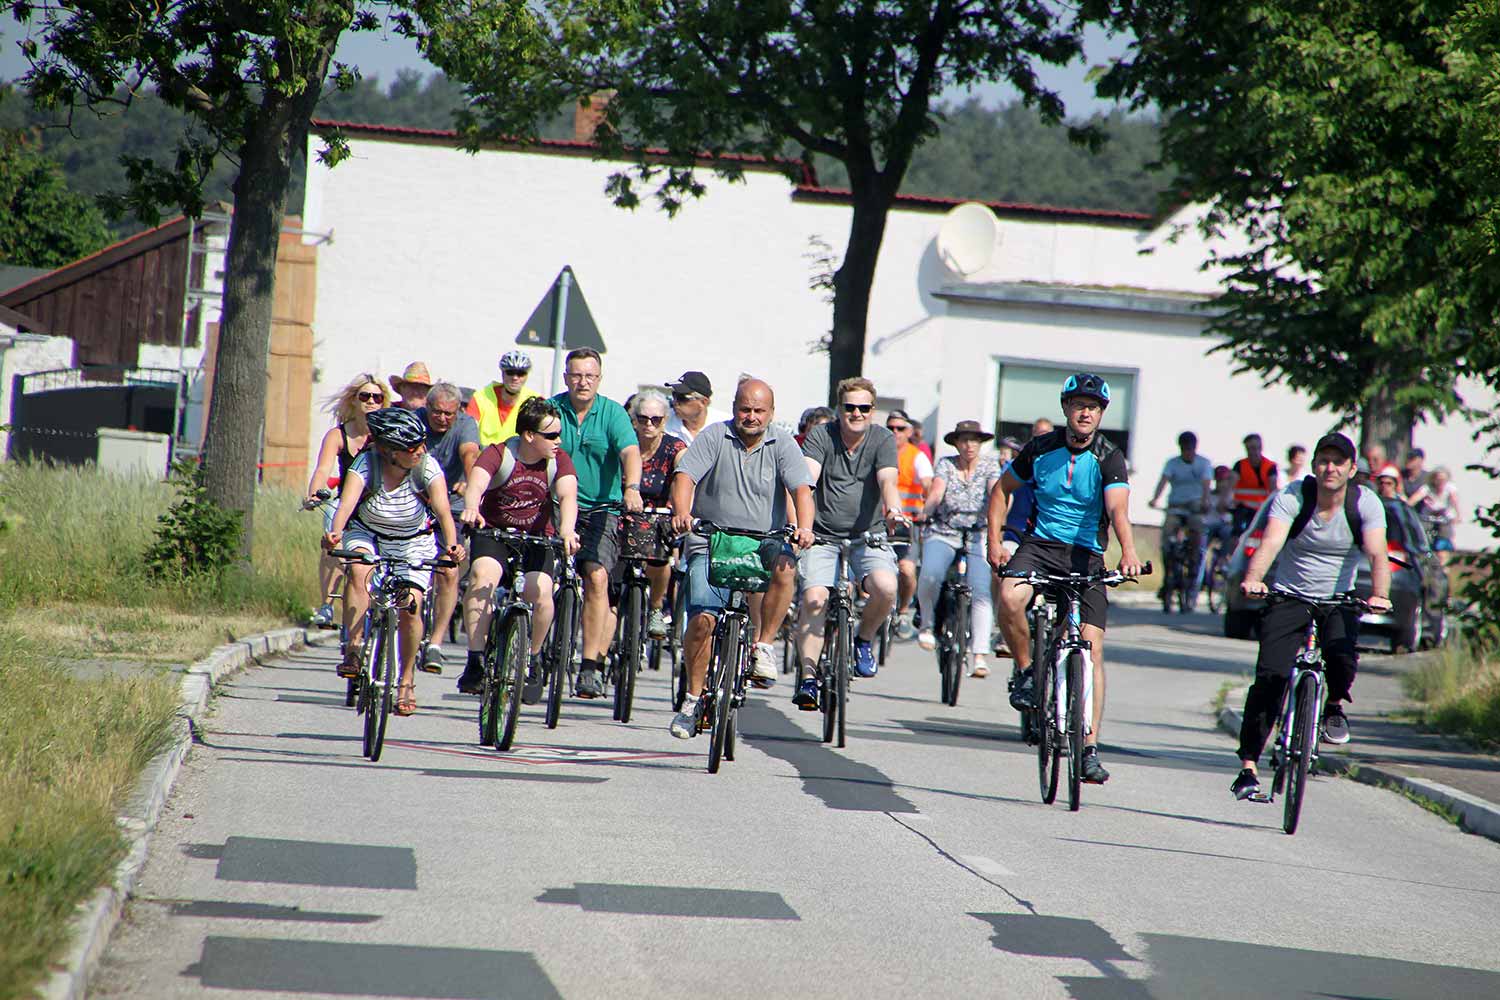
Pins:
x: 70, y: 751
x: 1459, y: 692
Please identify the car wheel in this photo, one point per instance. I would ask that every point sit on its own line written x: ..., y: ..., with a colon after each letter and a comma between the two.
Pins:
x: 1239, y: 624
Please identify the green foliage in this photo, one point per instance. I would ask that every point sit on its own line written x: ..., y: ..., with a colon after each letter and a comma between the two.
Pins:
x: 1353, y: 144
x: 195, y: 537
x: 42, y: 222
x: 1481, y: 588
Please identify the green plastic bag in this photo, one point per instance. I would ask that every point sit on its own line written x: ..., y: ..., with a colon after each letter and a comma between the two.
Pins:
x: 738, y: 563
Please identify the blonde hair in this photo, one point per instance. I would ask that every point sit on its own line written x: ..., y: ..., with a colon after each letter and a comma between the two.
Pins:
x: 344, y: 404
x: 856, y: 384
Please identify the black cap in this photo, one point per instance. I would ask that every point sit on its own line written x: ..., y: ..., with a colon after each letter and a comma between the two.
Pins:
x: 898, y: 415
x: 696, y: 382
x: 1337, y: 442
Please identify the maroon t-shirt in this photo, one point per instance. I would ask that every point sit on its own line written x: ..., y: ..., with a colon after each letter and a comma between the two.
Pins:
x: 523, y: 501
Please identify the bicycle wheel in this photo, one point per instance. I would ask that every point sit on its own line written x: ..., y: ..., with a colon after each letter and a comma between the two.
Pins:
x: 1304, y: 743
x: 369, y: 688
x: 827, y: 687
x: 1171, y: 581
x: 883, y: 641
x: 507, y: 709
x: 494, y: 666
x: 562, y: 651
x: 1048, y: 761
x: 387, y: 692
x: 1036, y: 719
x: 841, y: 676
x: 630, y: 649
x: 958, y: 647
x: 1075, y: 729
x: 722, y: 672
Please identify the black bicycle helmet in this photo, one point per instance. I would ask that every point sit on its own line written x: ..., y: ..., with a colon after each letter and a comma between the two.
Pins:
x: 396, y: 428
x: 1086, y: 384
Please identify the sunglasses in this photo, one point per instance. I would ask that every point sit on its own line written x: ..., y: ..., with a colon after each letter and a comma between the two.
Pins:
x: 858, y: 407
x: 513, y: 372
x: 685, y: 397
x: 897, y: 428
x: 549, y: 435
x: 370, y: 397
x: 642, y: 418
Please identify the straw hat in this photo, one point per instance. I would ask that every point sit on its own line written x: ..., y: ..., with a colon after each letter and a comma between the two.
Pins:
x: 966, y: 428
x: 416, y: 373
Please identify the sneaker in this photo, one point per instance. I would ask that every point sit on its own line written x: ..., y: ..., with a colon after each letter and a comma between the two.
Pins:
x: 323, y: 617
x: 864, y: 658
x: 1092, y: 771
x: 806, y: 696
x: 589, y: 684
x: 999, y: 647
x: 531, y: 687
x: 1246, y: 786
x: 432, y: 659
x: 1021, y: 698
x: 471, y: 681
x: 981, y: 669
x: 656, y: 625
x: 684, y: 724
x: 927, y: 640
x: 348, y: 667
x: 905, y: 627
x: 1335, y: 726
x: 763, y: 665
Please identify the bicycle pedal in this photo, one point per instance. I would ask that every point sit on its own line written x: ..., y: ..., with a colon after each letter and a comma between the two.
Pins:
x: 1260, y: 797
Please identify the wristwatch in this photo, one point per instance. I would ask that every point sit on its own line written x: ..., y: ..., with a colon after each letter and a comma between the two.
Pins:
x: 633, y: 486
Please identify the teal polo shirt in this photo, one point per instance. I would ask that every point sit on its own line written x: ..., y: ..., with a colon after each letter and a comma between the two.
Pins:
x: 594, y: 446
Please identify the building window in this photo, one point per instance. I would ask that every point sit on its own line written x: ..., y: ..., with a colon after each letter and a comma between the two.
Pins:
x: 1026, y: 392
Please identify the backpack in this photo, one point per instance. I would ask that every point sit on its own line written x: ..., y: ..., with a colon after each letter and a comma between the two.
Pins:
x: 1310, y: 505
x: 508, y: 462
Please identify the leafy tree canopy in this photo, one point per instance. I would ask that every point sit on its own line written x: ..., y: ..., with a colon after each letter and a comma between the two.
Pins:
x: 43, y: 223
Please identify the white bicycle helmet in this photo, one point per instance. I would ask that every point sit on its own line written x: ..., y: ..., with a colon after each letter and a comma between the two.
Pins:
x: 516, y: 361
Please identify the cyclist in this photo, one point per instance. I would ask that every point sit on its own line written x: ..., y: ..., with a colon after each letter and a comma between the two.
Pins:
x: 738, y: 475
x: 913, y: 477
x: 411, y: 386
x: 692, y: 395
x: 1217, y: 522
x: 1413, y: 472
x: 597, y: 436
x: 345, y: 439
x: 812, y: 417
x: 853, y: 464
x: 1319, y: 562
x: 388, y: 499
x: 496, y: 406
x: 958, y: 498
x: 1388, y: 483
x: 660, y: 453
x: 1082, y: 490
x: 540, y: 491
x: 1191, y: 478
x: 1296, y: 463
x: 1254, y: 481
x: 1438, y: 506
x: 452, y: 439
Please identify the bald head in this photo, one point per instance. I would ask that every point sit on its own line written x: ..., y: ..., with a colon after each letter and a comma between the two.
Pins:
x: 754, y: 406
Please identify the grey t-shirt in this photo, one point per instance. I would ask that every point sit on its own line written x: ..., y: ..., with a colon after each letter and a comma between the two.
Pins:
x: 737, y: 488
x: 1185, y: 479
x: 1322, y: 560
x: 847, y: 494
x: 444, y: 448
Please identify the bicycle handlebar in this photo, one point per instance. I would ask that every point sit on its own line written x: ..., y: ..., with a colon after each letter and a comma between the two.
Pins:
x: 1110, y: 577
x: 514, y: 535
x: 869, y: 538
x: 317, y: 500
x: 370, y: 559
x: 705, y: 528
x: 1334, y: 603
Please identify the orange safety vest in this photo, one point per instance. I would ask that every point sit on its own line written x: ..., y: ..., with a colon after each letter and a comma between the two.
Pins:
x: 907, y: 483
x: 1252, y: 485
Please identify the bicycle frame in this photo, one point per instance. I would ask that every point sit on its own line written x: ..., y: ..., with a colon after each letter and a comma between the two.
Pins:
x: 956, y: 592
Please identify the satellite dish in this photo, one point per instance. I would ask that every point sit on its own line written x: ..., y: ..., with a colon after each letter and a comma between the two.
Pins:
x: 967, y: 238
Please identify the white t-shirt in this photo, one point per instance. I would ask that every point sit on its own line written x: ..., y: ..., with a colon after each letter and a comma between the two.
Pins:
x: 397, y: 512
x: 1186, y: 479
x: 674, y: 425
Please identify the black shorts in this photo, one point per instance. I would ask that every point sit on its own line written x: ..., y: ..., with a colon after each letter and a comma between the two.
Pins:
x: 1042, y: 555
x: 599, y: 537
x: 534, y: 558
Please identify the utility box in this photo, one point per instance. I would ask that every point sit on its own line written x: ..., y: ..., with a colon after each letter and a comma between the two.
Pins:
x: 134, y: 453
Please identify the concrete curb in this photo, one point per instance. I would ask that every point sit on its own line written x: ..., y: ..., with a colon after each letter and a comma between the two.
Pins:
x: 1475, y: 815
x: 97, y: 916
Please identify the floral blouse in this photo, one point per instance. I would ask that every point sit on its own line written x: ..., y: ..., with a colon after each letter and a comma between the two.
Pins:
x: 964, y: 500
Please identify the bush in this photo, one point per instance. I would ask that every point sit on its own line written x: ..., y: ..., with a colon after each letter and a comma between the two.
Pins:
x: 1481, y: 587
x: 195, y: 537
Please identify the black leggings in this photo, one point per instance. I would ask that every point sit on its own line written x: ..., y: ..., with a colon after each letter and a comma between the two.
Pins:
x: 1283, y: 627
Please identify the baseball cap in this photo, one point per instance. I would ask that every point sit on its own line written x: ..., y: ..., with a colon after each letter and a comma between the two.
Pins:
x: 898, y: 415
x: 1389, y: 472
x: 695, y: 382
x: 1338, y: 442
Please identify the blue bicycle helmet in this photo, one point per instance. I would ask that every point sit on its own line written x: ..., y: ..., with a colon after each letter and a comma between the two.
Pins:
x: 1086, y: 384
x: 396, y: 428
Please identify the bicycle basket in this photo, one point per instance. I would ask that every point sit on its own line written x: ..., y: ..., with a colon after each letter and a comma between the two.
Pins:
x: 739, y: 563
x: 644, y: 536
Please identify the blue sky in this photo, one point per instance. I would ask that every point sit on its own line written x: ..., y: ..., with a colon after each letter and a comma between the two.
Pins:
x: 382, y: 55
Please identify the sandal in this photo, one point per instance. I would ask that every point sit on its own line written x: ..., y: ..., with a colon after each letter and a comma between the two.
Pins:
x: 406, y: 697
x: 348, y: 668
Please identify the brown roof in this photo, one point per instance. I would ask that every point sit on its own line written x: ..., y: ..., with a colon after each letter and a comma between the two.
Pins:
x: 1007, y: 209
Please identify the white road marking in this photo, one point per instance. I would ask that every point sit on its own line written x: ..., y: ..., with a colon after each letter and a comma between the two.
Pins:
x: 985, y: 866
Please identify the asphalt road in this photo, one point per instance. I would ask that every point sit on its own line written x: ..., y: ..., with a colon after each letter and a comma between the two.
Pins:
x: 601, y: 860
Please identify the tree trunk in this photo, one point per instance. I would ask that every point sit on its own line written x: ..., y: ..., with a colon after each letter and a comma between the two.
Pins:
x: 853, y: 281
x: 237, y: 410
x: 1385, y: 423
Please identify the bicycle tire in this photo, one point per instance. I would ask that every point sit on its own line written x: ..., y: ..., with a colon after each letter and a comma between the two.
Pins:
x: 630, y: 650
x: 958, y: 652
x: 722, y: 673
x: 827, y: 688
x: 387, y: 692
x: 562, y: 652
x: 1048, y: 761
x: 1304, y: 743
x: 941, y: 636
x: 883, y: 641
x: 841, y: 678
x: 493, y: 657
x: 368, y: 688
x: 351, y: 692
x: 517, y: 660
x: 1037, y: 717
x: 1075, y: 729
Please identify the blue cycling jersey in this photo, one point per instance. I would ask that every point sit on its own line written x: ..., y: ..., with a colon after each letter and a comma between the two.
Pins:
x: 1070, y: 484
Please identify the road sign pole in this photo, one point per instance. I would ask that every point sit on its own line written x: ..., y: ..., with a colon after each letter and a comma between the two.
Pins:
x: 559, y: 324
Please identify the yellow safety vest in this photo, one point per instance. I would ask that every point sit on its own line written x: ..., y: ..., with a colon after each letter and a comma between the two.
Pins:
x: 484, y: 407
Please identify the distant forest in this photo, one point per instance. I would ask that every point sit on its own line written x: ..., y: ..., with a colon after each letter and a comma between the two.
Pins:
x: 985, y: 153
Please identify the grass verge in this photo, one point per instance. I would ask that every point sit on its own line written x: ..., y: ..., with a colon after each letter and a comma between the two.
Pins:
x: 1354, y: 772
x: 1458, y: 691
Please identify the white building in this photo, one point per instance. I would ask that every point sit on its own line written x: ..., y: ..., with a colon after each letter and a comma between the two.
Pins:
x: 440, y: 256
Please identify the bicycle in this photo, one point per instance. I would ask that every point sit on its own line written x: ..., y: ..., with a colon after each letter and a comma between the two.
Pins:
x: 671, y: 646
x: 561, y: 655
x: 642, y: 540
x: 1295, y: 749
x: 1181, y: 561
x: 729, y: 665
x: 507, y: 645
x: 953, y: 620
x: 1216, y: 577
x: 838, y: 637
x: 379, y: 661
x: 1062, y: 675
